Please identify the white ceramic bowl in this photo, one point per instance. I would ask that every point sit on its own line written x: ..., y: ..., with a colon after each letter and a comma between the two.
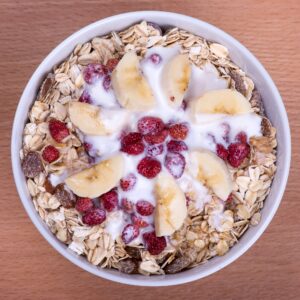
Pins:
x: 240, y: 55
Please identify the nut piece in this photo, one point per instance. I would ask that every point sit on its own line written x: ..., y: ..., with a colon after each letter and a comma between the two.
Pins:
x: 66, y: 198
x: 128, y: 266
x: 32, y: 164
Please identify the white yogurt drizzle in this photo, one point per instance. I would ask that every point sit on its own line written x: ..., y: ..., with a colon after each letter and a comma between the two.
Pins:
x: 201, y: 130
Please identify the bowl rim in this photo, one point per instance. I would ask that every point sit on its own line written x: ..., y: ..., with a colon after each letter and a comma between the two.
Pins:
x: 164, y: 280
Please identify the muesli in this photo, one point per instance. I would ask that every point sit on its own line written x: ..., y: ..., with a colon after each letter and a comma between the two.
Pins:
x: 148, y: 151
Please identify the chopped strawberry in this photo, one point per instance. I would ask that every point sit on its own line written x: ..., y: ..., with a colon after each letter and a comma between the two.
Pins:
x: 130, y: 232
x: 237, y: 152
x: 111, y: 64
x: 144, y: 208
x: 175, y: 163
x: 150, y: 125
x: 50, y: 154
x: 149, y: 167
x: 179, y: 131
x: 155, y: 150
x: 84, y: 204
x: 155, y: 245
x: 94, y: 216
x: 222, y: 152
x: 157, y: 138
x: 176, y: 146
x: 58, y: 130
x: 110, y: 200
x: 139, y: 222
x: 93, y: 72
x: 128, y: 182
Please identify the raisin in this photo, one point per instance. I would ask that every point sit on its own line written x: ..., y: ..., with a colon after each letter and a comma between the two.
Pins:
x: 65, y: 197
x: 128, y: 266
x: 32, y: 164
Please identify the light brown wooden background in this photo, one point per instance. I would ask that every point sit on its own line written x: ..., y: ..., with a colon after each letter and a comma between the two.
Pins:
x: 29, y: 267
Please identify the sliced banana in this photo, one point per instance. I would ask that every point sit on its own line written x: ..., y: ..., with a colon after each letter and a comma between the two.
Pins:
x: 98, y: 179
x: 211, y: 170
x: 170, y: 210
x: 224, y: 101
x: 176, y: 78
x: 92, y: 120
x: 131, y: 88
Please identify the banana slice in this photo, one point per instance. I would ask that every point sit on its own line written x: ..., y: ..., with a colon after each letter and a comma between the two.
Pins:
x: 98, y: 179
x: 170, y: 210
x: 176, y: 78
x: 92, y: 120
x: 131, y: 88
x: 224, y: 101
x: 211, y: 170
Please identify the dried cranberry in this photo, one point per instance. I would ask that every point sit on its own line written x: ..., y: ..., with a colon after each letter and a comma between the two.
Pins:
x: 176, y: 146
x: 127, y: 183
x: 175, y: 163
x: 241, y: 137
x: 32, y: 164
x: 106, y: 82
x: 129, y: 233
x: 155, y: 58
x: 179, y: 131
x: 58, y: 130
x: 150, y: 125
x: 155, y: 150
x: 139, y: 222
x: 237, y: 152
x: 127, y: 205
x: 93, y: 72
x: 222, y: 151
x: 85, y: 97
x: 111, y: 64
x: 144, y: 208
x: 84, y: 204
x: 110, y: 200
x: 155, y: 245
x: 149, y: 167
x: 132, y: 143
x: 94, y: 216
x: 157, y: 138
x: 50, y: 154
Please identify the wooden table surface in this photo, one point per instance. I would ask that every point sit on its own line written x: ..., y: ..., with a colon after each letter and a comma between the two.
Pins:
x: 30, y: 268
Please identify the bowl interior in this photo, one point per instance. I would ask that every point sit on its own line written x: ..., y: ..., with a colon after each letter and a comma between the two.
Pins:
x: 240, y: 55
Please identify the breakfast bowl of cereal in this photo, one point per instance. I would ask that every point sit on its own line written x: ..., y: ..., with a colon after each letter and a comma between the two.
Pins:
x: 151, y: 148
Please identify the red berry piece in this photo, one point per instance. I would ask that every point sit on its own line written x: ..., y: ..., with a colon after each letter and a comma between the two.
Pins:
x: 94, y: 217
x: 149, y: 167
x: 237, y: 152
x: 84, y: 204
x: 111, y: 64
x: 176, y: 146
x: 58, y: 130
x: 127, y: 205
x: 144, y: 208
x: 175, y: 163
x: 110, y: 200
x: 139, y: 222
x: 155, y: 150
x: 241, y: 137
x: 179, y: 131
x: 93, y: 72
x: 128, y: 182
x: 222, y: 151
x: 150, y: 125
x: 155, y: 58
x: 106, y: 82
x: 87, y: 147
x: 132, y: 143
x: 155, y: 245
x: 85, y: 97
x: 226, y: 131
x: 157, y: 138
x: 50, y: 154
x: 130, y: 232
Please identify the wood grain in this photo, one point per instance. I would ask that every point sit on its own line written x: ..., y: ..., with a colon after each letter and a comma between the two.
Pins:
x: 30, y: 268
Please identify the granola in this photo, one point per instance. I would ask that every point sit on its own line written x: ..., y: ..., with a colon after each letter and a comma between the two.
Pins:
x: 96, y: 217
